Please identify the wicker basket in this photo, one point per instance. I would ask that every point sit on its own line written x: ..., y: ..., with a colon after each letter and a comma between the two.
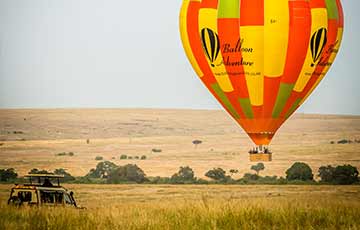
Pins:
x: 256, y: 157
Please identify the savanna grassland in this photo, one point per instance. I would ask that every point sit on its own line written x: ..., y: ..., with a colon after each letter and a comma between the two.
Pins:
x: 32, y: 138
x: 194, y: 207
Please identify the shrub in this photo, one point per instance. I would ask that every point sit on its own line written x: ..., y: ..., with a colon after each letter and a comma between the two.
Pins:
x: 326, y: 174
x: 184, y: 175
x: 217, y: 174
x: 130, y: 157
x: 250, y: 177
x: 99, y: 158
x: 127, y: 173
x: 102, y: 170
x: 136, y: 157
x: 159, y: 180
x: 343, y: 141
x: 156, y: 150
x: 123, y: 157
x: 65, y: 154
x: 299, y: 171
x: 7, y: 175
x: 143, y: 157
x: 345, y: 174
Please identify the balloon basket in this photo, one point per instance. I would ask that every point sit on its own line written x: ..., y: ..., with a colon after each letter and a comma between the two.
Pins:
x: 260, y: 157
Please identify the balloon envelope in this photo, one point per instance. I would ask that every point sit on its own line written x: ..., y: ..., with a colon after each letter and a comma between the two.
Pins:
x: 261, y: 59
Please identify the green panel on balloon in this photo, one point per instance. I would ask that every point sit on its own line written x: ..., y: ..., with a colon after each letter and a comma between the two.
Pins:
x: 225, y: 100
x: 283, y: 95
x: 229, y: 9
x: 293, y: 107
x: 332, y: 9
x: 246, y: 106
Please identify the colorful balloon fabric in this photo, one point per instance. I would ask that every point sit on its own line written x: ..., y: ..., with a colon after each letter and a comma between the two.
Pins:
x: 261, y: 59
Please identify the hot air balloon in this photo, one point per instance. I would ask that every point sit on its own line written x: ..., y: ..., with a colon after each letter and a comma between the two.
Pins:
x: 261, y: 59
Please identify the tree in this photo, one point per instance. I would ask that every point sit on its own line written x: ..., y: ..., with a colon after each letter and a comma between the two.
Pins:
x: 326, y: 173
x: 217, y: 174
x: 123, y: 157
x: 8, y: 174
x: 257, y: 168
x: 299, y: 171
x: 345, y: 174
x: 99, y: 158
x: 129, y: 172
x: 67, y: 176
x: 185, y: 174
x: 102, y: 170
x: 156, y: 150
x: 37, y: 171
x: 196, y: 143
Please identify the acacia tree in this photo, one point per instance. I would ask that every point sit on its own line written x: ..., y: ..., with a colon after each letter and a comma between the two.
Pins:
x: 258, y: 167
x: 196, y: 143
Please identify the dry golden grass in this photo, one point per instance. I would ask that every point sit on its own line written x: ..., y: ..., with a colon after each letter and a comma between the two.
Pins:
x: 113, y: 132
x: 194, y: 207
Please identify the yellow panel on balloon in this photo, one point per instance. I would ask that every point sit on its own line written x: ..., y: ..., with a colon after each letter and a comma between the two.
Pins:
x: 252, y: 44
x: 319, y: 21
x: 185, y: 38
x: 208, y: 21
x: 276, y: 36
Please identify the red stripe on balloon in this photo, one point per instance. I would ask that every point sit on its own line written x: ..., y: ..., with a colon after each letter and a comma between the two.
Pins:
x: 299, y: 34
x: 252, y: 12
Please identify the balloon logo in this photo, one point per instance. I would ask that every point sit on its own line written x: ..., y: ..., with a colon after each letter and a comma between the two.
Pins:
x: 211, y: 44
x: 317, y: 44
x: 261, y: 59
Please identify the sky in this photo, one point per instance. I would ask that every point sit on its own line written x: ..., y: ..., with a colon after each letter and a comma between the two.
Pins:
x: 116, y: 54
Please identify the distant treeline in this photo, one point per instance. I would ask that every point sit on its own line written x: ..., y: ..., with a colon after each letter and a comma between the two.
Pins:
x: 107, y: 172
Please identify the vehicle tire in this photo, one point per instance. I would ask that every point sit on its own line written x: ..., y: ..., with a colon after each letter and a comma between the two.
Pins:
x: 15, y: 201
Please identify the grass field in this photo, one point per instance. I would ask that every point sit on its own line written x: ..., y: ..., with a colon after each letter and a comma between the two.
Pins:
x: 194, y: 207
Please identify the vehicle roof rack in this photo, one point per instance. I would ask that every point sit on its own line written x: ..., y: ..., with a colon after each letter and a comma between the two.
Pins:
x: 45, y: 175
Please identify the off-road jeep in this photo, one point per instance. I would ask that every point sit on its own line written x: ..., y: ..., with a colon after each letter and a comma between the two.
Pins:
x: 42, y: 191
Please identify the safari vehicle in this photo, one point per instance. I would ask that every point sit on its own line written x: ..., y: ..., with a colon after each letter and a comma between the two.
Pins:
x: 42, y: 191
